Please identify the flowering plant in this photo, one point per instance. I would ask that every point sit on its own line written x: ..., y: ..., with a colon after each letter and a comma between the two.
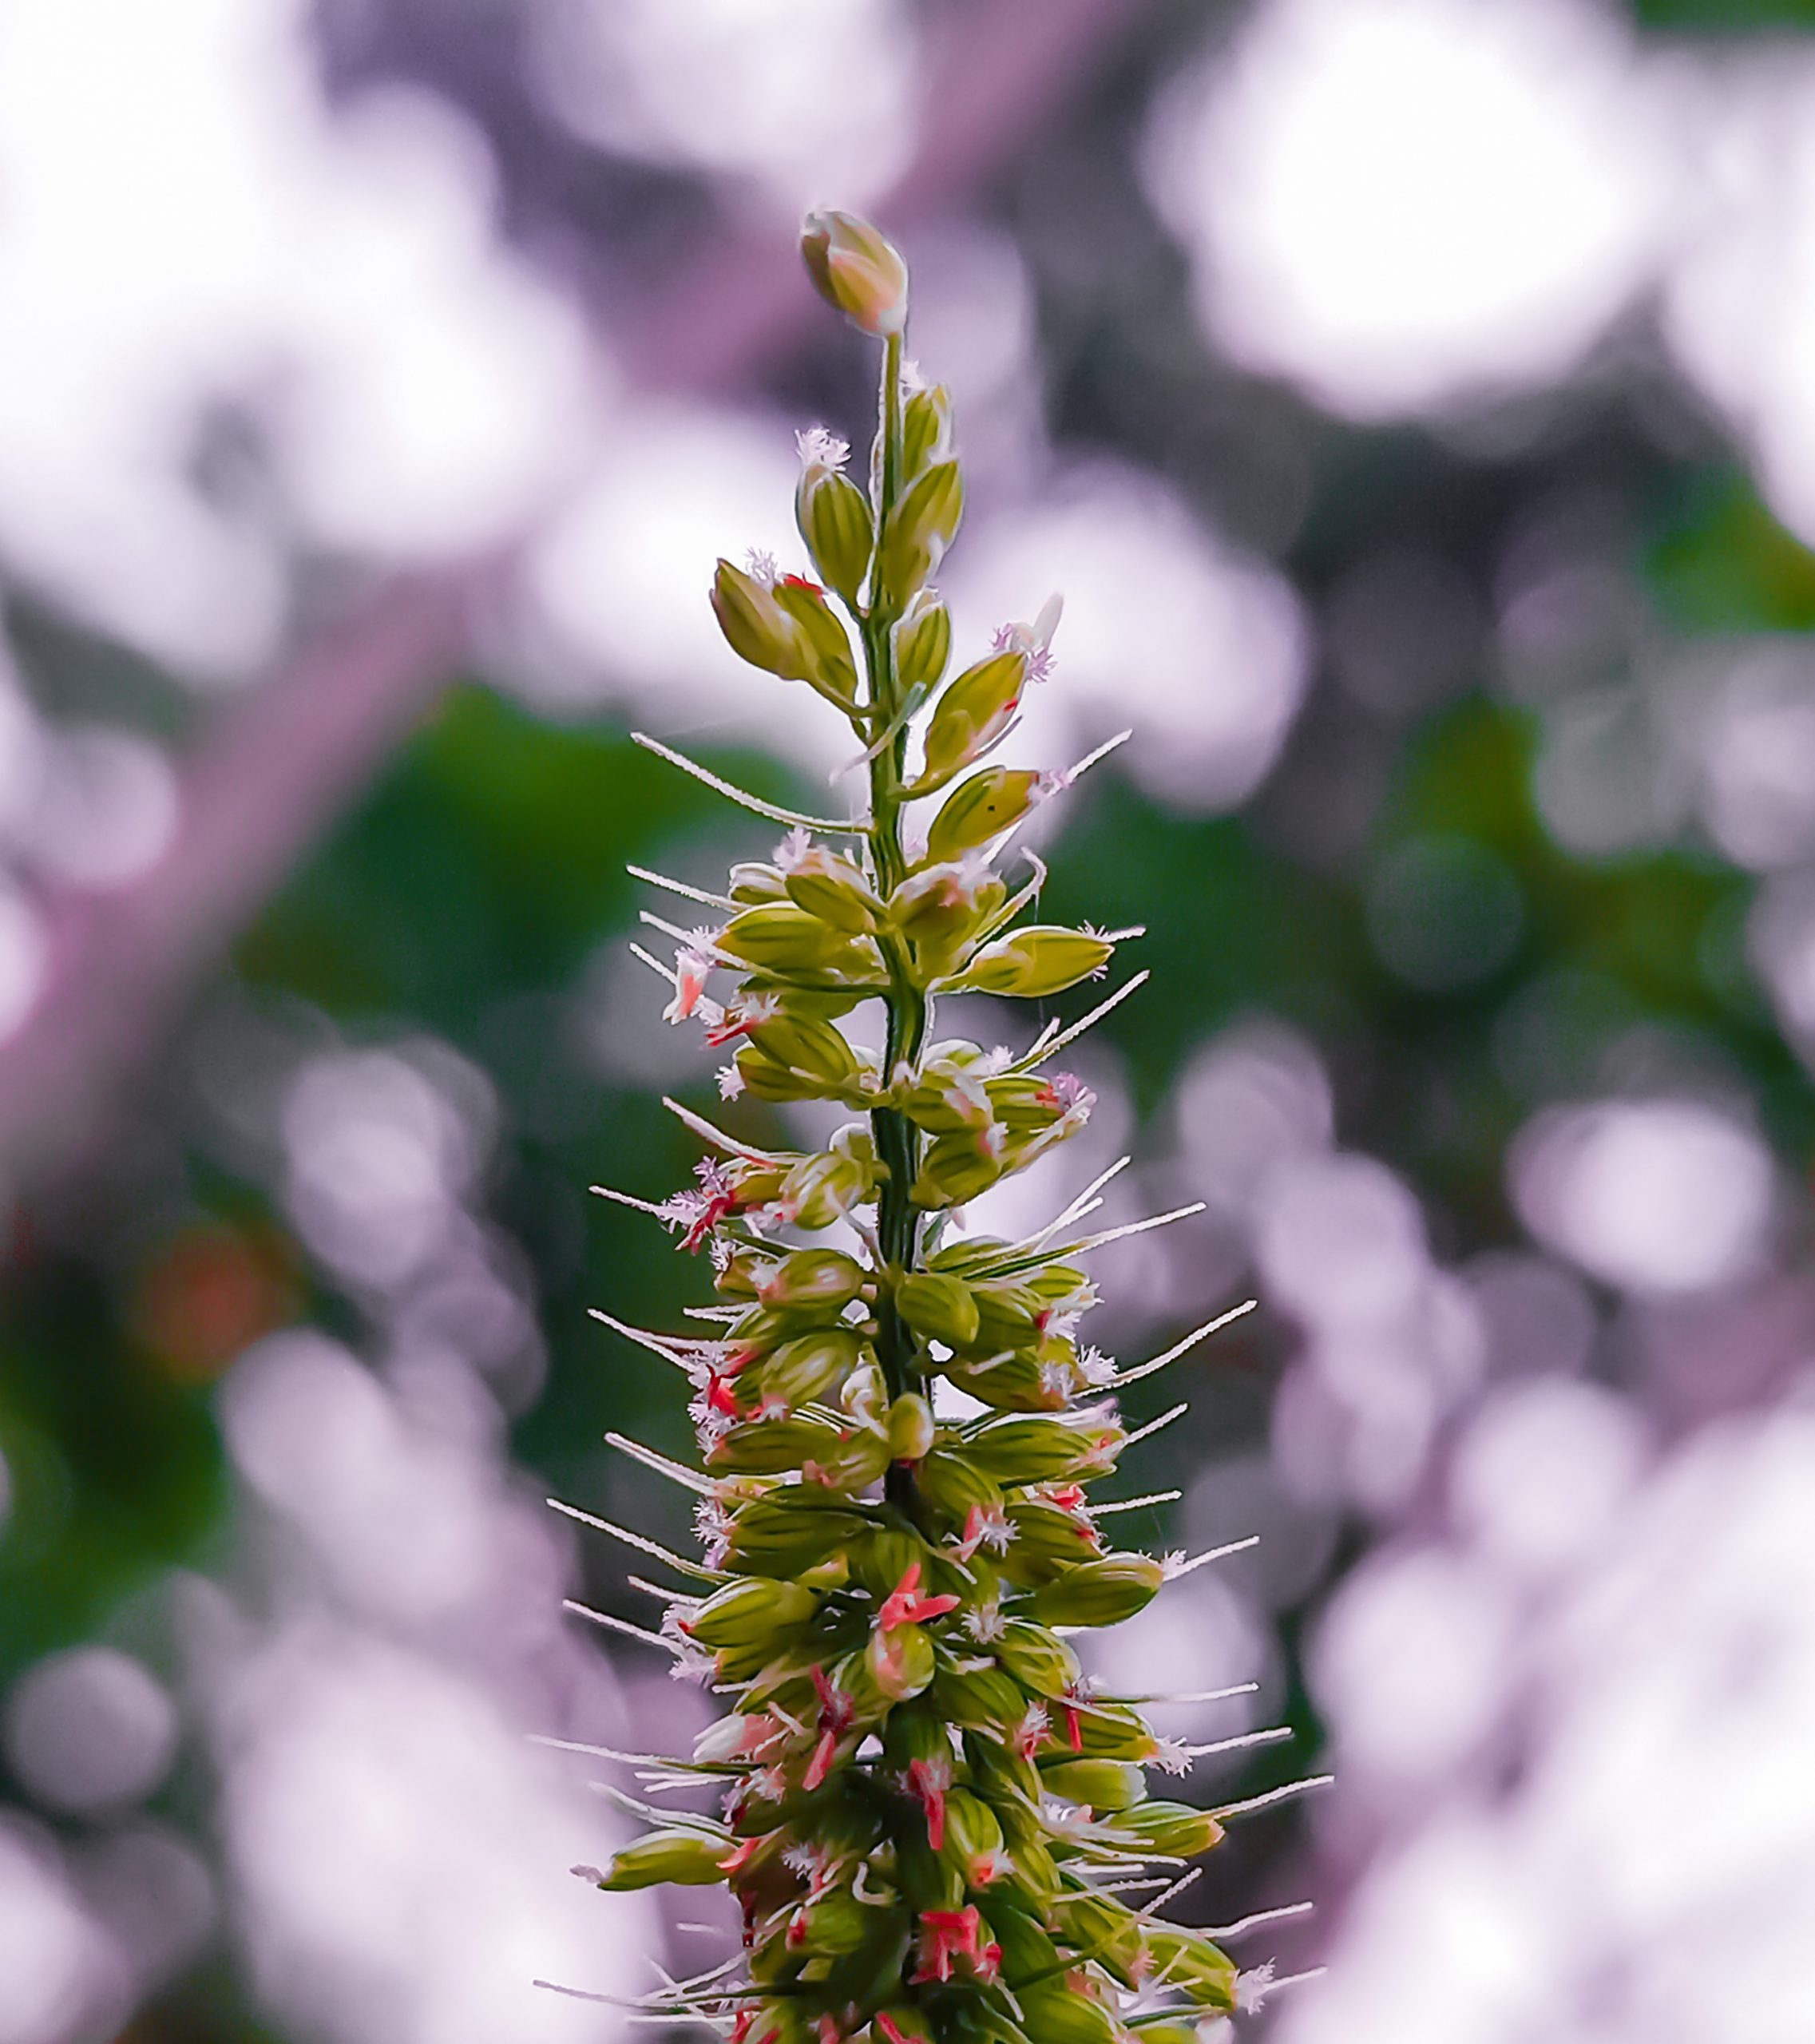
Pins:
x: 930, y: 1818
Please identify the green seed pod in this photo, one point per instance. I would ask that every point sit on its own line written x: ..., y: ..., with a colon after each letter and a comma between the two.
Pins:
x: 688, y: 1858
x: 1034, y: 962
x: 974, y: 711
x: 1201, y: 1972
x: 918, y: 531
x: 750, y: 1612
x: 834, y: 520
x: 1100, y: 1784
x: 922, y: 639
x: 829, y: 886
x: 984, y: 807
x: 937, y: 1308
x: 825, y: 1278
x: 1098, y: 1593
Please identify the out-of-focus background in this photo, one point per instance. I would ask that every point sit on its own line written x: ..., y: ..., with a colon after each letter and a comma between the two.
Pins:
x: 1415, y: 400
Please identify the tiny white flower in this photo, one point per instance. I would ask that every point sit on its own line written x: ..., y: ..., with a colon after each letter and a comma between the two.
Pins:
x: 1172, y: 1562
x: 793, y: 848
x: 730, y: 1082
x: 1253, y: 1987
x: 1170, y: 1757
x: 819, y: 449
x: 985, y: 1623
x: 760, y: 565
x: 1098, y: 1369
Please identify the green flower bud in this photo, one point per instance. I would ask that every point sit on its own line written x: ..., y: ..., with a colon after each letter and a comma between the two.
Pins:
x: 755, y: 626
x: 1029, y: 1952
x: 937, y: 1308
x: 900, y: 2023
x: 1099, y: 1785
x: 834, y: 520
x: 1102, y: 1930
x: 859, y: 1461
x: 858, y: 271
x: 910, y: 1430
x: 953, y: 1485
x: 922, y: 638
x: 1033, y: 962
x: 900, y: 1660
x: 1038, y: 1659
x: 1034, y: 1450
x: 834, y: 1925
x: 688, y: 1858
x: 833, y: 888
x: 827, y: 659
x: 956, y: 1168
x: 942, y: 905
x: 1059, y: 2014
x: 750, y: 1612
x: 1174, y: 1828
x: 920, y: 529
x: 1098, y: 1593
x: 811, y: 1278
x: 779, y: 2022
x: 752, y: 881
x: 984, y: 807
x: 1164, y: 2029
x: 769, y: 1447
x: 979, y: 1697
x: 782, y: 937
x: 974, y: 712
x: 1011, y: 1383
x: 1203, y: 1972
x: 797, y: 1057
x: 926, y: 429
x: 1048, y: 1541
x: 973, y: 1839
x: 819, y: 1190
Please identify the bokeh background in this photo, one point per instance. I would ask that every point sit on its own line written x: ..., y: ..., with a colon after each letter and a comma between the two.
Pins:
x: 1415, y: 400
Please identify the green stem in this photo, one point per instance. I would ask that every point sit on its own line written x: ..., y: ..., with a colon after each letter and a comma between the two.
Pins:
x: 897, y: 1141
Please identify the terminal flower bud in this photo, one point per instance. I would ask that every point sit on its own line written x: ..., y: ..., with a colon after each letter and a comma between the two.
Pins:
x: 856, y: 270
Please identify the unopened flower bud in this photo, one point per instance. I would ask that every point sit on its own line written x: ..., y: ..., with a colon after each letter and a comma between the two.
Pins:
x: 811, y: 1369
x: 1037, y: 1659
x: 1098, y: 1593
x: 973, y: 1839
x: 984, y: 807
x: 750, y: 1612
x: 1034, y: 1450
x: 1101, y: 1785
x: 821, y: 1190
x: 937, y: 1308
x: 833, y: 515
x: 782, y: 937
x: 856, y: 270
x: 1174, y: 1828
x: 926, y: 429
x: 1201, y: 1972
x: 689, y: 1859
x: 1108, y: 1929
x: 954, y: 1486
x: 910, y: 1427
x: 811, y: 1278
x: 920, y: 528
x: 828, y: 664
x: 832, y: 887
x: 956, y: 1169
x: 1033, y: 962
x: 974, y: 711
x: 899, y: 1660
x: 752, y: 880
x: 1056, y: 2015
x: 815, y: 1051
x: 922, y: 638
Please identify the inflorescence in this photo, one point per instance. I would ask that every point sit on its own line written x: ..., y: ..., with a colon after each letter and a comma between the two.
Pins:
x: 934, y: 1827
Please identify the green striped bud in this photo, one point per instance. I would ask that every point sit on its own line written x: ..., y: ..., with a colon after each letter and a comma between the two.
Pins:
x: 790, y: 1530
x: 771, y: 1448
x: 1031, y: 963
x: 751, y: 880
x: 984, y: 807
x: 941, y: 905
x: 956, y: 1168
x: 755, y: 626
x: 811, y: 1278
x: 811, y: 1368
x: 980, y: 1699
x: 1038, y: 1659
x: 1100, y: 1928
x: 1057, y: 2013
x: 910, y: 1427
x: 688, y: 1858
x: 1164, y: 2029
x: 952, y: 1484
x: 937, y: 1308
x: 1098, y: 1593
x: 779, y: 2022
x: 828, y: 663
x: 830, y: 1928
x: 750, y: 1612
x: 974, y: 712
x: 1174, y: 1828
x: 1100, y: 1784
x: 1033, y: 1450
x: 973, y: 1839
x: 922, y: 637
x: 926, y: 429
x: 1201, y: 1971
x: 832, y: 887
x: 834, y: 520
x: 859, y: 272
x: 1047, y: 1543
x: 1028, y: 1950
x: 821, y: 1190
x: 899, y: 1661
x: 900, y: 2023
x: 1014, y: 1383
x: 782, y: 937
x: 919, y: 530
